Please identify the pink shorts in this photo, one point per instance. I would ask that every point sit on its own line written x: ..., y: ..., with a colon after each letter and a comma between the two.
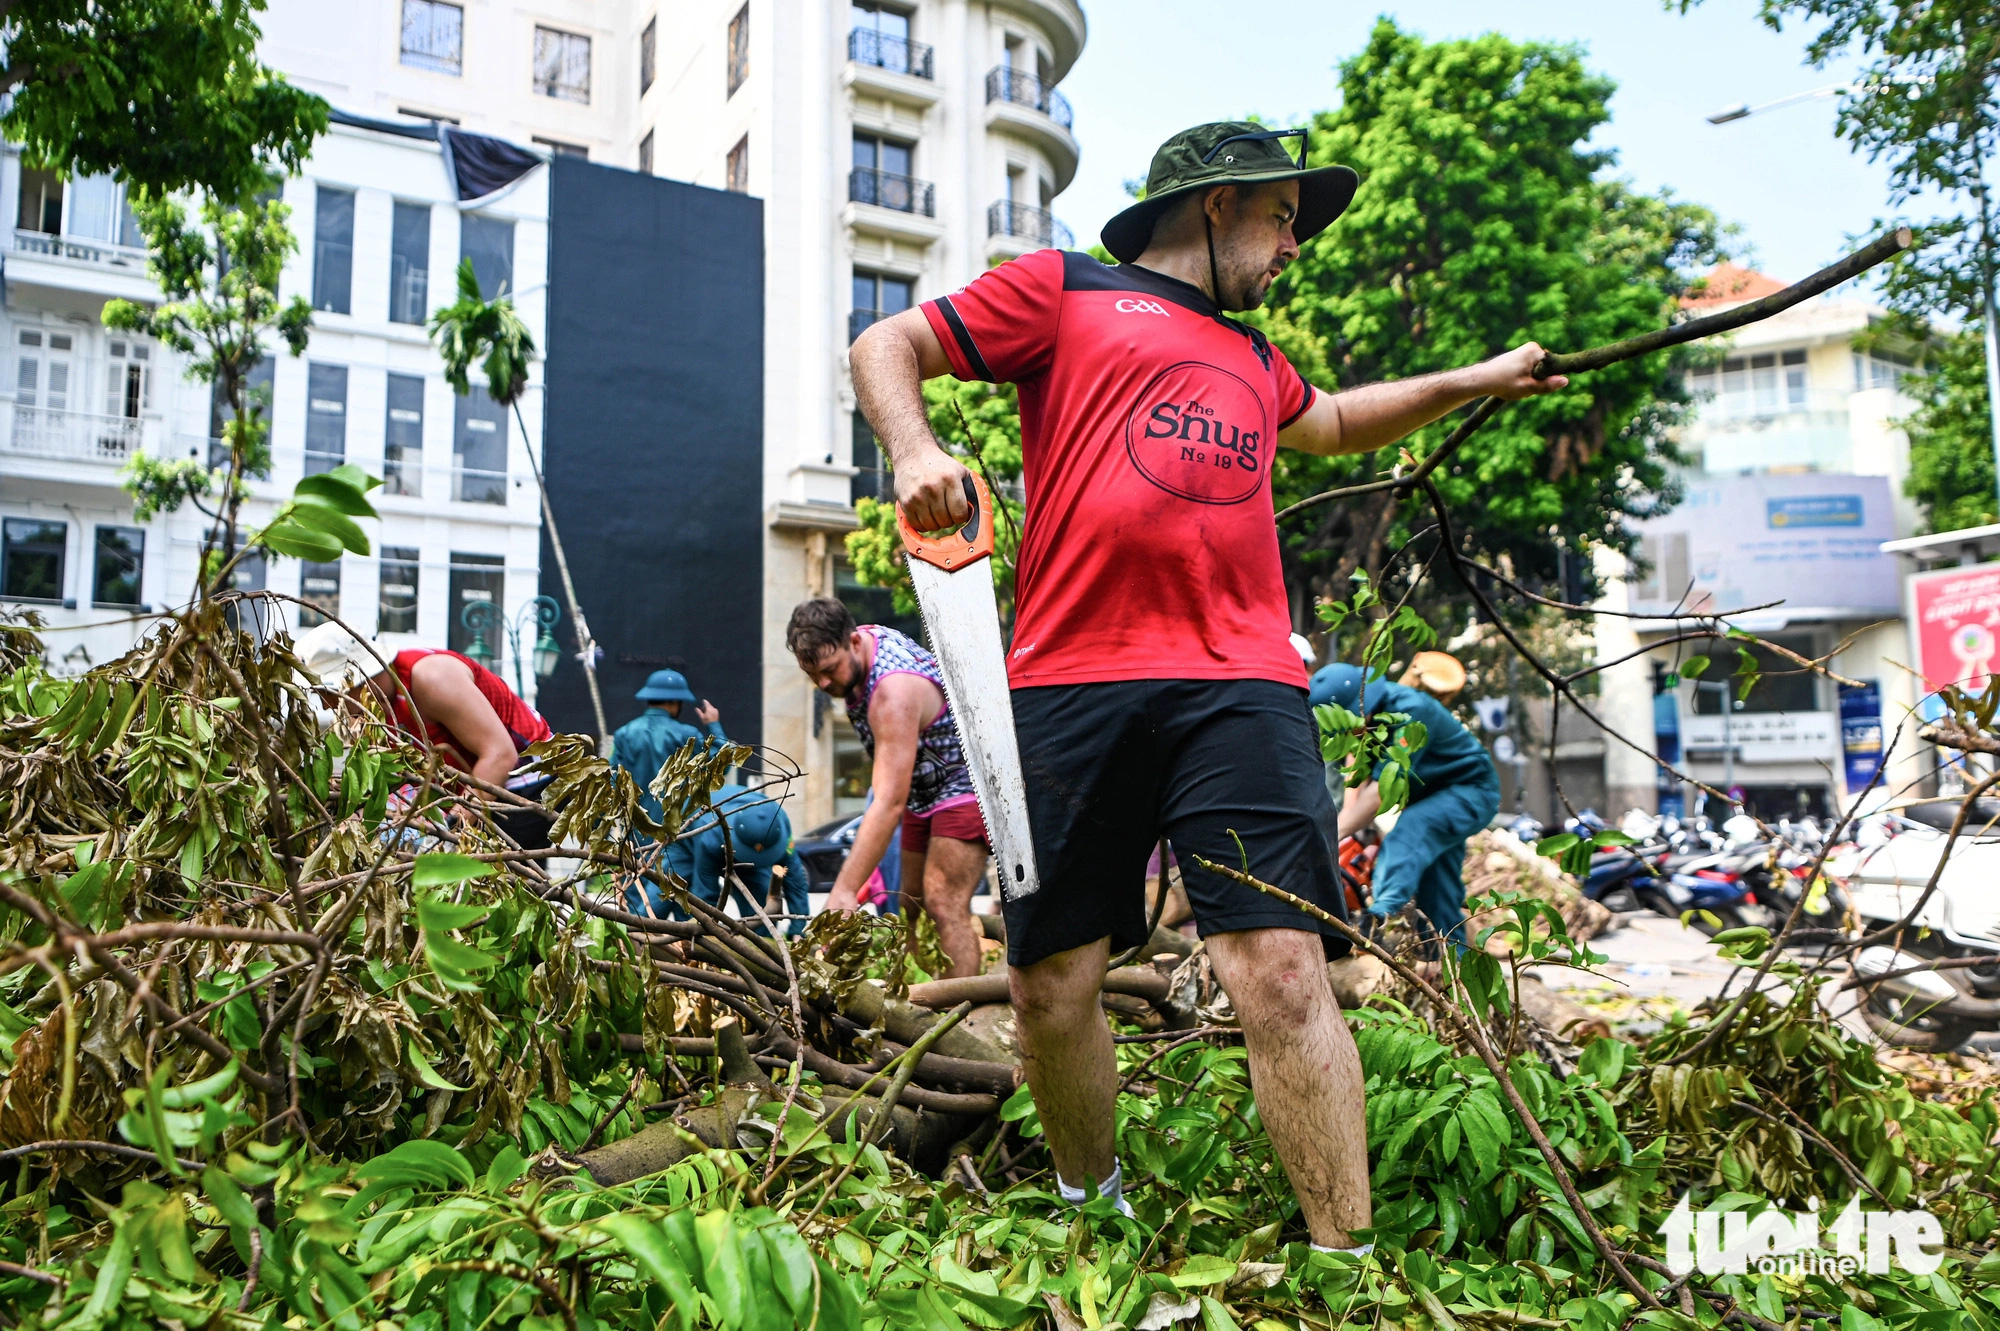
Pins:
x: 958, y: 820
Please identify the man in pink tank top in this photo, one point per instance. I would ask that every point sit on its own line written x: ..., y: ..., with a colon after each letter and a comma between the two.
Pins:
x: 895, y: 700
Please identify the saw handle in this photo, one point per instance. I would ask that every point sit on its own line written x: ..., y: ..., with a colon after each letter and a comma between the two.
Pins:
x: 954, y: 550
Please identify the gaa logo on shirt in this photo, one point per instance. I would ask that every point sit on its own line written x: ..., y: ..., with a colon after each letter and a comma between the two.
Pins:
x: 1131, y: 306
x: 1201, y: 433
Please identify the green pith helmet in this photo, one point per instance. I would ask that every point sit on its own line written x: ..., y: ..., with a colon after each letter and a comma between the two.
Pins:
x: 1229, y: 152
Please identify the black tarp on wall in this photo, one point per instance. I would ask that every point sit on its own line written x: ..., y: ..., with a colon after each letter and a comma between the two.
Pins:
x: 655, y: 429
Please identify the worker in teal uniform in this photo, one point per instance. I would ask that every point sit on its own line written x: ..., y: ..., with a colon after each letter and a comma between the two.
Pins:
x: 759, y: 844
x: 642, y: 745
x: 1454, y: 793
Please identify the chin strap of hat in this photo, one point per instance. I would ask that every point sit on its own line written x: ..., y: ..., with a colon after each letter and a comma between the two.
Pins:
x: 1214, y: 278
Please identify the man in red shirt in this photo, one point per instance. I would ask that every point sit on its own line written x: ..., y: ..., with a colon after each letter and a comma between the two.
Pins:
x: 1155, y: 687
x: 467, y: 712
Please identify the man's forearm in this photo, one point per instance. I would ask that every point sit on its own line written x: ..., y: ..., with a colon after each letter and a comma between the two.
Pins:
x: 1377, y: 415
x: 889, y: 389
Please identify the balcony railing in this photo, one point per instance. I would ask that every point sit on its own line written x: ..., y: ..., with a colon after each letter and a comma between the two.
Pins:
x: 898, y: 55
x: 1004, y: 84
x: 1007, y: 218
x: 861, y: 321
x: 62, y: 247
x: 885, y: 189
x: 75, y: 436
x: 469, y: 485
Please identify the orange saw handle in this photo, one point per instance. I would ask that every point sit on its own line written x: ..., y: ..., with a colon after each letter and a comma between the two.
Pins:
x: 954, y: 550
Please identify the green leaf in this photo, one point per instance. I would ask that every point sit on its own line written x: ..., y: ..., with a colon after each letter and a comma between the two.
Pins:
x: 426, y: 1074
x: 724, y: 1273
x: 300, y: 542
x: 1692, y: 667
x: 445, y: 916
x: 112, y: 1276
x: 349, y: 474
x: 331, y: 522
x: 200, y: 1092
x: 646, y: 1244
x: 441, y: 868
x: 1202, y: 1270
x: 434, y: 1162
x: 337, y: 491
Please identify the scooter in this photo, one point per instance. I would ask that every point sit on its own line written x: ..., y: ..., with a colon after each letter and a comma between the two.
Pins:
x: 1885, y: 874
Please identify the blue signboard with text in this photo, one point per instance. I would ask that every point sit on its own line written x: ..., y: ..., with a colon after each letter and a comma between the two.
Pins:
x: 1860, y: 733
x: 1814, y: 511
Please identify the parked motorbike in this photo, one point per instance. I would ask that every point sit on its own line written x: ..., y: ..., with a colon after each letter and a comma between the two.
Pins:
x: 1886, y: 874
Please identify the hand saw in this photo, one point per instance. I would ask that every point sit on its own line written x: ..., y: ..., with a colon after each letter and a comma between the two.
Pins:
x: 954, y: 585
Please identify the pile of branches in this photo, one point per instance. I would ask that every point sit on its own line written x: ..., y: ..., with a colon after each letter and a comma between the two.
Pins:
x: 293, y: 1032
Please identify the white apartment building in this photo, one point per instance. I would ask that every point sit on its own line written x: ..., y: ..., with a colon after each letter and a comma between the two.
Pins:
x: 380, y: 232
x: 902, y: 149
x: 1796, y: 481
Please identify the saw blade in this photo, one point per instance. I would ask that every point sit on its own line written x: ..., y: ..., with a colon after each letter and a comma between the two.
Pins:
x: 962, y: 616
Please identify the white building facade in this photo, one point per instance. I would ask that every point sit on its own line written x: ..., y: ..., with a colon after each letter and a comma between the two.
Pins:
x: 900, y: 150
x: 1796, y: 480
x: 380, y: 232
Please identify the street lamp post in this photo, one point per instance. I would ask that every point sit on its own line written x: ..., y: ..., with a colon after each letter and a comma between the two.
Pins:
x: 1729, y: 705
x: 479, y: 617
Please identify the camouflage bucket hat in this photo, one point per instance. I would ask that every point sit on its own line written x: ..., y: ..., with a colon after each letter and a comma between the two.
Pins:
x: 1230, y: 152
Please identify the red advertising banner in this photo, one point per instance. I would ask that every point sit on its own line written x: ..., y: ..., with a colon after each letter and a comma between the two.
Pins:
x: 1957, y: 618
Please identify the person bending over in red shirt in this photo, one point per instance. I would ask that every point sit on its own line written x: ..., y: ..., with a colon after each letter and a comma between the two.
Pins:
x: 1155, y: 688
x: 467, y: 712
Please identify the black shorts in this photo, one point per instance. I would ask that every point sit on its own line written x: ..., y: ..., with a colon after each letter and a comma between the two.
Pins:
x: 1111, y: 768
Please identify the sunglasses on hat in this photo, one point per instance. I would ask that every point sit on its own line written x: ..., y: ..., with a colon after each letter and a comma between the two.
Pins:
x: 1264, y: 136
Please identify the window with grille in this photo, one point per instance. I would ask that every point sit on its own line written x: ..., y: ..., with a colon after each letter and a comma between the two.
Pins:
x: 42, y: 370
x: 646, y: 154
x: 32, y: 555
x: 739, y: 166
x: 489, y: 243
x: 319, y: 585
x: 396, y: 604
x: 128, y: 380
x: 409, y: 263
x: 1768, y: 384
x: 333, y: 250
x: 1881, y: 369
x: 562, y: 65
x: 433, y: 36
x: 476, y: 579
x: 479, y: 449
x: 646, y: 41
x: 403, y: 437
x: 326, y: 417
x: 739, y: 49
x: 120, y: 564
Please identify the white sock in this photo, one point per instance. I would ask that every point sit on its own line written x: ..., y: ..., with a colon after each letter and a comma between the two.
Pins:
x: 1113, y: 1187
x: 1361, y: 1251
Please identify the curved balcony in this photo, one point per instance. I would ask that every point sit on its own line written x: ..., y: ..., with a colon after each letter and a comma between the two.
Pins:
x: 1006, y: 84
x: 1014, y: 229
x: 1030, y: 108
x: 898, y: 55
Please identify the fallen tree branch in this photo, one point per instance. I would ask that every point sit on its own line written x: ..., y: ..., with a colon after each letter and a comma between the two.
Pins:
x: 1475, y: 1036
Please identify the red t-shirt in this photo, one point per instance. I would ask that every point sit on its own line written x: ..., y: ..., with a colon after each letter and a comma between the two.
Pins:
x: 1148, y: 421
x: 524, y: 724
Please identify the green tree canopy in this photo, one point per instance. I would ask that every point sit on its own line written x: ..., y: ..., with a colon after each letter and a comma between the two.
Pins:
x: 218, y: 276
x: 168, y: 94
x: 1951, y: 436
x: 1483, y: 222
